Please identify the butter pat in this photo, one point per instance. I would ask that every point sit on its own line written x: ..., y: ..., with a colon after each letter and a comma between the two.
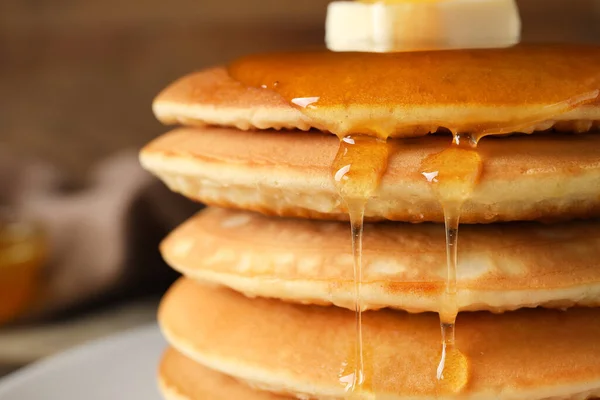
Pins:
x: 422, y: 25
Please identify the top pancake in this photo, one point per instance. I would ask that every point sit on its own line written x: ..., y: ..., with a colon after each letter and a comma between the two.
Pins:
x: 520, y: 89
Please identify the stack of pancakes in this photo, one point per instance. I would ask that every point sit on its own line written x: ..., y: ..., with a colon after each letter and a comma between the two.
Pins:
x: 266, y: 306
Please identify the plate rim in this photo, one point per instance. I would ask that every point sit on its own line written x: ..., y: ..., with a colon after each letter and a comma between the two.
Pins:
x: 66, y: 358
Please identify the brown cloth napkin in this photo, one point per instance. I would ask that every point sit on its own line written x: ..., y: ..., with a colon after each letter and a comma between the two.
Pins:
x: 103, y: 236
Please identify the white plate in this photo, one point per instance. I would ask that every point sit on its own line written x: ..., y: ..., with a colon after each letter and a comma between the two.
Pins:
x: 118, y: 367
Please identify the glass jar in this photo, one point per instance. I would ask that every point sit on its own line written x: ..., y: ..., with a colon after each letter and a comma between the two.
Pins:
x: 23, y: 251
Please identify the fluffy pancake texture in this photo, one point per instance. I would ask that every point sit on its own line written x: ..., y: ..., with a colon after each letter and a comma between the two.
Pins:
x: 291, y: 349
x: 501, y: 267
x: 228, y: 328
x: 180, y: 378
x: 542, y: 177
x: 458, y: 90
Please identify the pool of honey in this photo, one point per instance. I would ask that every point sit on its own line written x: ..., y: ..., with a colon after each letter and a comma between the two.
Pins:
x: 319, y: 82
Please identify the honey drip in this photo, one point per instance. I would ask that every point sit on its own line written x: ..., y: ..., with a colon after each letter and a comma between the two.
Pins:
x: 357, y: 170
x: 354, y: 380
x: 453, y: 173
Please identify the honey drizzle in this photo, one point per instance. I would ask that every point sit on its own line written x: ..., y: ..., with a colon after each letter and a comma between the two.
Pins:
x: 452, y: 369
x: 453, y: 173
x: 357, y: 170
x: 354, y: 380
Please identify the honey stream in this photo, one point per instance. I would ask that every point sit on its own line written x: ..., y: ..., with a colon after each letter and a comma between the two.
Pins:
x: 357, y: 169
x: 453, y: 174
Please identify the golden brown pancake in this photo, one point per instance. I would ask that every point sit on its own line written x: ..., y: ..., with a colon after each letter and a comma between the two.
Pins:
x: 523, y: 89
x: 540, y: 177
x: 501, y: 267
x: 180, y: 378
x: 527, y: 354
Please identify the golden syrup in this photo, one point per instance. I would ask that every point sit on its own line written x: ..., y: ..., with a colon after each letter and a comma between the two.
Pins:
x: 463, y: 90
x: 357, y: 169
x: 348, y: 376
x: 353, y: 381
x: 453, y: 173
x: 453, y: 369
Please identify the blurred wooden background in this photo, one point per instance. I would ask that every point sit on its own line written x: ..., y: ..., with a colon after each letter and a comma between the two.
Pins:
x: 77, y: 77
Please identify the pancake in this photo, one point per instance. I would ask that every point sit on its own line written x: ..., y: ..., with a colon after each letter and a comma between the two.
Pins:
x: 501, y: 267
x: 346, y: 93
x: 183, y: 379
x: 543, y: 177
x: 527, y: 354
